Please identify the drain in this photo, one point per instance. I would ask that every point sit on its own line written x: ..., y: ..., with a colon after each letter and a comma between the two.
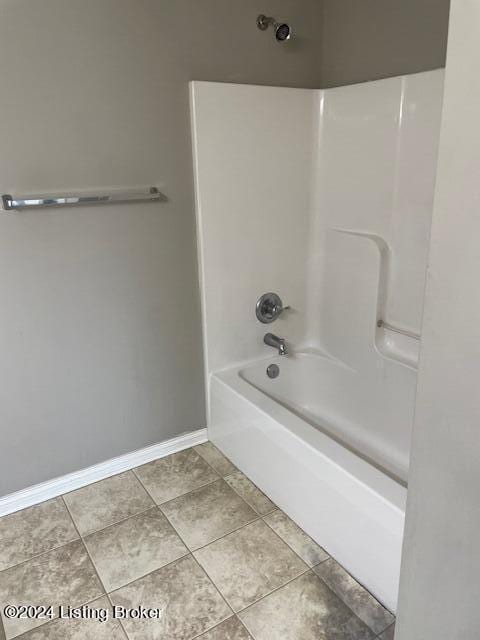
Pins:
x: 273, y: 371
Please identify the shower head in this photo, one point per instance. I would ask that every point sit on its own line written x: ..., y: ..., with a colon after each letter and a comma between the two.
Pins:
x: 282, y: 30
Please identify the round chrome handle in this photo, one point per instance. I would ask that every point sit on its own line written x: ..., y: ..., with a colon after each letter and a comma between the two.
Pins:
x: 269, y: 307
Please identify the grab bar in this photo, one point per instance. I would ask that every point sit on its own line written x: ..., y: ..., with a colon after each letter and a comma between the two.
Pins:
x: 67, y: 200
x: 382, y: 324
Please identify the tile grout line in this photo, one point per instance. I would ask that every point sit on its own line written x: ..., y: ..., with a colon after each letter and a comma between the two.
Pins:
x: 242, y: 526
x: 275, y: 506
x: 90, y: 484
x: 209, y: 464
x: 347, y: 606
x: 244, y: 627
x: 217, y: 590
x: 39, y: 555
x: 149, y: 573
x: 95, y: 568
x: 369, y: 594
x: 227, y: 475
x: 117, y: 522
x: 271, y: 592
x: 158, y: 504
x: 85, y: 547
x: 237, y: 470
x: 199, y: 636
x: 386, y: 629
x: 290, y: 547
x: 366, y: 591
x: 182, y: 495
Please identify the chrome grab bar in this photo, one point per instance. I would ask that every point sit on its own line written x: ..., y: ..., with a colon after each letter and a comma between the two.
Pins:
x: 384, y: 325
x: 151, y: 194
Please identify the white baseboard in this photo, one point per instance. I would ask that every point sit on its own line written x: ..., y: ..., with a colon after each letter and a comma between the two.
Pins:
x: 56, y: 487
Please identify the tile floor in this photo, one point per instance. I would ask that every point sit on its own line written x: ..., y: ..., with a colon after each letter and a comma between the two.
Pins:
x: 188, y: 534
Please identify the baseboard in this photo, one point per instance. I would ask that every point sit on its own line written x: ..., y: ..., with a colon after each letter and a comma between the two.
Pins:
x: 56, y: 487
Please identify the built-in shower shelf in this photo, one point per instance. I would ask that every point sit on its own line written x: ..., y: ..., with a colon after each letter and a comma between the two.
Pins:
x: 404, y: 332
x: 402, y: 346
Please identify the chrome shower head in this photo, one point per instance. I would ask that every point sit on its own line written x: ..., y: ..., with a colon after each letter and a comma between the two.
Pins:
x: 282, y: 30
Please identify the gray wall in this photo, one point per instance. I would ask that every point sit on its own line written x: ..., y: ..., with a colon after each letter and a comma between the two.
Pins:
x: 100, y: 335
x: 370, y: 39
x: 440, y: 585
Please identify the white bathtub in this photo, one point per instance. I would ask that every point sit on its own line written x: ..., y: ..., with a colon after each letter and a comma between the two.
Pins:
x: 330, y: 453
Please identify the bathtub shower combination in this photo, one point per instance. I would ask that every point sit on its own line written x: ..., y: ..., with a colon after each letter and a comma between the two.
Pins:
x: 324, y: 198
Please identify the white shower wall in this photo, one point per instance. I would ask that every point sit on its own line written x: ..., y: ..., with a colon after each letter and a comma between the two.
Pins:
x: 254, y: 152
x: 374, y: 194
x: 324, y: 197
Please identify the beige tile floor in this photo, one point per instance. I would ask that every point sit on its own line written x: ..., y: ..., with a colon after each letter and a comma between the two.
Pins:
x: 190, y: 535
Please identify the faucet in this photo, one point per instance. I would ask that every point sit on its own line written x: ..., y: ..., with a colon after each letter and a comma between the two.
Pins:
x: 276, y: 342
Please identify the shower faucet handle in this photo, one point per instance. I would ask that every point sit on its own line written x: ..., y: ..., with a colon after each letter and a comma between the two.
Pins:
x: 269, y: 307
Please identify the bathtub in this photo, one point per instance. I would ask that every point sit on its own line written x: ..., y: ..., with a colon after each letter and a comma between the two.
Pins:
x: 329, y: 451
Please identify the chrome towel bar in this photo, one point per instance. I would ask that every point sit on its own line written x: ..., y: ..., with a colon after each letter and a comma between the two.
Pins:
x: 151, y: 194
x: 381, y: 324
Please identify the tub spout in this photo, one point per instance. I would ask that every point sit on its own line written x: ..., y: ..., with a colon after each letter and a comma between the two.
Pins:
x: 276, y: 342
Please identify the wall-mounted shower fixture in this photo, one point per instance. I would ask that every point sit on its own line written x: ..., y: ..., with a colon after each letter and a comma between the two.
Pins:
x: 276, y: 342
x: 282, y: 30
x: 269, y: 307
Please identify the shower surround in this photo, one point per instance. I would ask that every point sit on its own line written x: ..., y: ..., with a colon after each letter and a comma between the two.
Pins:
x: 324, y: 197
